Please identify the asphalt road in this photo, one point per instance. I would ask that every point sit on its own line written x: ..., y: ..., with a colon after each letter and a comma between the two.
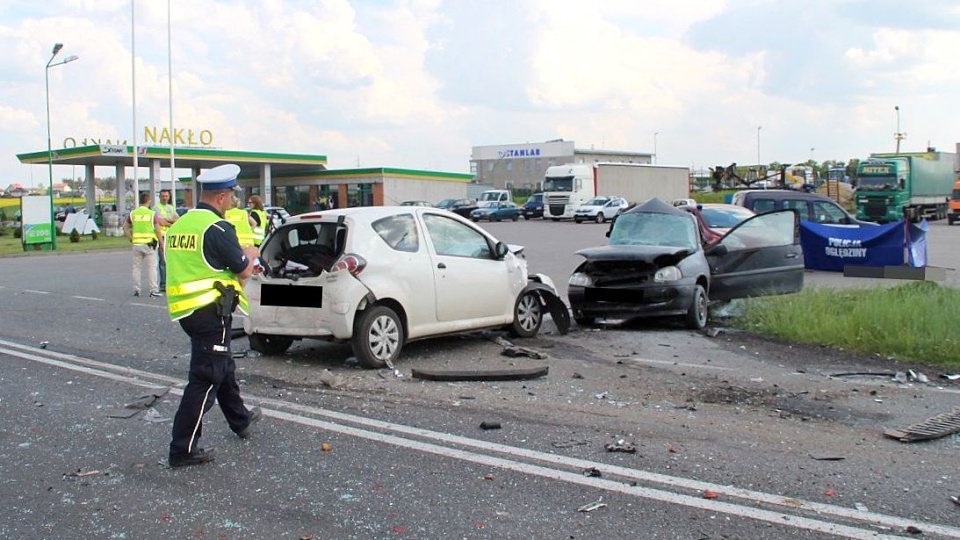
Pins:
x: 743, y: 419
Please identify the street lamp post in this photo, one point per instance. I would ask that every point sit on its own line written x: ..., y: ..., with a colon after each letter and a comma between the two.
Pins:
x: 46, y: 79
x: 899, y: 135
x: 758, y: 148
x: 655, y: 133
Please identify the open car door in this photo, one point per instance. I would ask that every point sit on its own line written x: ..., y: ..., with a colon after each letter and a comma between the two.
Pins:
x: 759, y: 257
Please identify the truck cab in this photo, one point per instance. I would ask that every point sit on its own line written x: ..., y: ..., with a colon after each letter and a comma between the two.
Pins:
x: 565, y: 187
x: 882, y: 190
x: 495, y: 195
x: 953, y: 213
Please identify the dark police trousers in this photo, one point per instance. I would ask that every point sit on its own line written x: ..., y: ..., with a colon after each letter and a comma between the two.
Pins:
x: 212, y: 376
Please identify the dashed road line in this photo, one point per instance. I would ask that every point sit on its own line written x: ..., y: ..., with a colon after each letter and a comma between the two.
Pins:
x: 31, y: 291
x: 88, y: 298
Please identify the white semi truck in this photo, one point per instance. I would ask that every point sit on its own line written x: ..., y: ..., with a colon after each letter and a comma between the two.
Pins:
x: 565, y: 187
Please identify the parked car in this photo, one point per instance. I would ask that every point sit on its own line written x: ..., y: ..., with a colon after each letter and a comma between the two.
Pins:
x: 812, y: 206
x: 415, y: 203
x: 656, y: 265
x: 496, y: 211
x: 533, y: 208
x: 461, y: 207
x: 277, y: 215
x: 599, y: 209
x: 380, y: 277
x: 61, y: 212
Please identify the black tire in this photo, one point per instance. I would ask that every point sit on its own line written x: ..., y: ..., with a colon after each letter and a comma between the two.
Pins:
x: 270, y: 344
x: 515, y: 218
x: 377, y: 337
x: 586, y: 322
x: 696, y: 318
x: 576, y: 219
x: 475, y: 220
x: 950, y: 219
x: 554, y: 219
x: 600, y: 217
x: 527, y: 315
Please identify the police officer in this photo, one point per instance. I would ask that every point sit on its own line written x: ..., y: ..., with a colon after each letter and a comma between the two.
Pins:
x: 206, y: 269
x: 241, y: 221
x: 143, y: 230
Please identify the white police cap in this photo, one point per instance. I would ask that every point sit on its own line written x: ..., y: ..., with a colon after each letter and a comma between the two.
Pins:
x: 218, y: 178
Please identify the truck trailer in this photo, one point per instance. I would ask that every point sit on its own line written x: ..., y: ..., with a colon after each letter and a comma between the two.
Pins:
x: 891, y: 187
x: 565, y: 187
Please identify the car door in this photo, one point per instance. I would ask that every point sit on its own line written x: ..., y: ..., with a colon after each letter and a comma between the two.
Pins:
x: 761, y: 256
x: 469, y: 280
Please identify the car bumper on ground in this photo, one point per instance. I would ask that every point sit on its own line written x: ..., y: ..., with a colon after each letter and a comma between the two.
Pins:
x: 632, y: 302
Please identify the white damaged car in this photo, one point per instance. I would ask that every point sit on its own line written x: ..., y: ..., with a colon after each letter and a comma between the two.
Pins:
x: 380, y: 277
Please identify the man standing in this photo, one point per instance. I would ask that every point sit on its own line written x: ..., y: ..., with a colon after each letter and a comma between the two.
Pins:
x: 207, y: 268
x: 143, y: 229
x: 166, y: 215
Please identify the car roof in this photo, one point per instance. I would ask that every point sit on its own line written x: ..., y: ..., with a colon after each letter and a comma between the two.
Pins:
x: 366, y: 214
x: 780, y: 194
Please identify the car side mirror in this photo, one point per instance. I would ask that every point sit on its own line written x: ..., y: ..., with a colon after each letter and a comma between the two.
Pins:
x: 501, y: 250
x: 717, y: 250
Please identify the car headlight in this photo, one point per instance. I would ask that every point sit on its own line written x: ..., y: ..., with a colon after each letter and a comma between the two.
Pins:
x: 579, y: 279
x: 668, y: 273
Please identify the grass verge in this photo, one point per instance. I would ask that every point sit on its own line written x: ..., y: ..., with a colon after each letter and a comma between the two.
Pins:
x: 12, y: 246
x: 913, y: 322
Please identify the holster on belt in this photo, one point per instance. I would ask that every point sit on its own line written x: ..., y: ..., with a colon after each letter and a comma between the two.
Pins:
x: 228, y: 299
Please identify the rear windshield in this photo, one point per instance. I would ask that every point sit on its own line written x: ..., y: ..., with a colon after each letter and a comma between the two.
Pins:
x: 304, y: 248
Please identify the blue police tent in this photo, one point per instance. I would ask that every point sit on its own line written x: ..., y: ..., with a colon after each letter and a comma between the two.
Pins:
x: 831, y: 247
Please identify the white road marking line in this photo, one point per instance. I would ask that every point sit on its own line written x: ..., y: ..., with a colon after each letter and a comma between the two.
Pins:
x: 164, y: 306
x: 88, y: 298
x: 791, y: 520
x: 31, y: 291
x: 679, y: 364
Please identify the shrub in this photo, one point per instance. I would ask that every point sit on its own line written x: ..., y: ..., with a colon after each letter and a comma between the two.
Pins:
x: 74, y: 236
x: 18, y: 232
x: 94, y: 235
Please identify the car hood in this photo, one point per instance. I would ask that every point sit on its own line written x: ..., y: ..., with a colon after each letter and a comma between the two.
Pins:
x: 658, y: 255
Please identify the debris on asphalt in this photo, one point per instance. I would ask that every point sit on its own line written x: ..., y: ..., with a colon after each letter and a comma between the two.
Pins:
x: 325, y: 447
x: 861, y: 507
x: 568, y: 444
x: 713, y: 332
x: 254, y: 354
x: 147, y: 400
x: 827, y: 457
x: 328, y: 378
x: 43, y: 344
x: 80, y: 473
x: 900, y: 377
x: 913, y: 530
x: 488, y: 477
x: 596, y: 505
x: 935, y: 427
x: 709, y: 494
x: 600, y: 395
x: 576, y: 375
x: 489, y: 425
x: 621, y: 446
x: 950, y: 376
x: 514, y: 352
x: 517, y: 374
x: 955, y: 499
x: 829, y: 493
x: 592, y: 472
x: 389, y: 364
x: 239, y: 354
x: 917, y: 376
x: 864, y: 374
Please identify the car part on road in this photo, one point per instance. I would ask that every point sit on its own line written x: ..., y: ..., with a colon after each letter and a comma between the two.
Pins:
x: 938, y: 426
x: 270, y: 344
x: 519, y: 374
x: 490, y: 425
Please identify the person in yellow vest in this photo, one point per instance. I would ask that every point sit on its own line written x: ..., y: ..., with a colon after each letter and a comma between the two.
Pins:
x: 166, y: 214
x: 241, y: 221
x: 259, y: 217
x: 143, y: 229
x: 206, y: 269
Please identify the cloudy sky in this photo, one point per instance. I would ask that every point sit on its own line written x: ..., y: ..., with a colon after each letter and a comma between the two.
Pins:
x: 417, y: 83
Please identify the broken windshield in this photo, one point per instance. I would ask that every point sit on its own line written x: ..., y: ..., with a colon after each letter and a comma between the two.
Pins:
x: 654, y: 230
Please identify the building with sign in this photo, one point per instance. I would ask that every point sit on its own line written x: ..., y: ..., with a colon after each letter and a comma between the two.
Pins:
x: 523, y: 165
x: 297, y: 182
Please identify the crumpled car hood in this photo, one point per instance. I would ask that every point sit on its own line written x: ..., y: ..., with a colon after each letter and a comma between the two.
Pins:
x: 659, y: 256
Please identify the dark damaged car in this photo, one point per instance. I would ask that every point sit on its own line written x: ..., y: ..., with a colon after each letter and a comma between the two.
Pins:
x: 656, y: 266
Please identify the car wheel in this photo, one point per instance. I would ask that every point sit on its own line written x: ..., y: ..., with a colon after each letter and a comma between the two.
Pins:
x: 515, y: 218
x: 587, y: 322
x: 270, y: 344
x: 696, y: 318
x: 950, y: 219
x: 377, y: 337
x: 600, y: 217
x: 527, y: 315
x: 475, y: 220
x: 577, y: 220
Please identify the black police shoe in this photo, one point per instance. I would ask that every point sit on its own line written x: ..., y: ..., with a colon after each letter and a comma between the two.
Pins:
x: 255, y: 414
x: 198, y: 457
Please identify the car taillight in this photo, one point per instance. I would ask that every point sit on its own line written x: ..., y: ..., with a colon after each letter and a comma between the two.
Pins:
x: 351, y: 263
